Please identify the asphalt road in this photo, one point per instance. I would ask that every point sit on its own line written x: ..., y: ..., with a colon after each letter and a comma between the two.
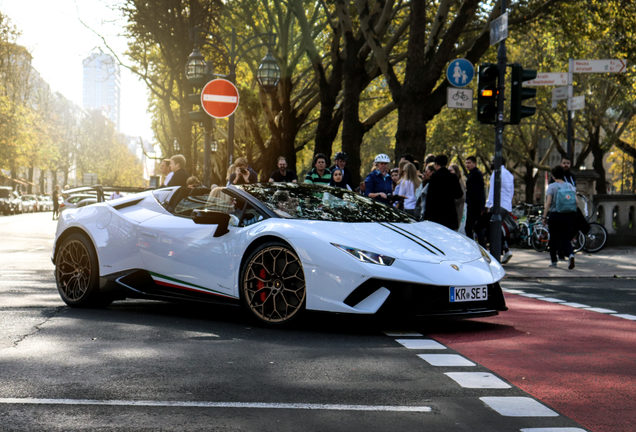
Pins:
x: 142, y: 365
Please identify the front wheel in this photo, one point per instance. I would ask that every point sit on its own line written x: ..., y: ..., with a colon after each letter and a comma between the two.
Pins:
x: 540, y: 238
x: 273, y: 284
x: 596, y: 238
x: 77, y: 273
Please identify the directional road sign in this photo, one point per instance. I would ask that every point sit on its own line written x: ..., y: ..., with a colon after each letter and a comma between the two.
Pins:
x: 559, y: 93
x: 219, y: 98
x: 459, y: 98
x: 460, y: 72
x: 596, y: 66
x: 549, y: 79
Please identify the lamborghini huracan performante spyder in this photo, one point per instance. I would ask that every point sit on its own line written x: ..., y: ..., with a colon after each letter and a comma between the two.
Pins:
x: 277, y: 249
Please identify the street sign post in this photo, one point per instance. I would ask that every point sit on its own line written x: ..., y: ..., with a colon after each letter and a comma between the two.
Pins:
x: 219, y: 98
x: 599, y: 66
x: 460, y: 72
x: 459, y: 98
x: 499, y: 29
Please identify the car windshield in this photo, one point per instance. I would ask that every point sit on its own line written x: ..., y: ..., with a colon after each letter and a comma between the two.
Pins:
x: 303, y: 201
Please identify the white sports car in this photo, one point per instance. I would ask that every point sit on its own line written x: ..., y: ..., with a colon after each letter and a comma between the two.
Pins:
x: 276, y: 249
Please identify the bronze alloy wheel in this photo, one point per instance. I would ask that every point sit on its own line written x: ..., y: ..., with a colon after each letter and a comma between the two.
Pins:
x: 76, y: 271
x: 273, y: 284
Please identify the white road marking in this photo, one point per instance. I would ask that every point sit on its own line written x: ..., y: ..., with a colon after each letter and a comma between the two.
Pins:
x: 575, y: 305
x: 531, y: 295
x: 195, y: 404
x: 552, y: 300
x: 446, y: 360
x: 420, y: 344
x: 477, y: 380
x: 553, y: 429
x: 512, y: 291
x: 516, y: 406
x: 626, y: 316
x: 219, y: 98
x: 601, y: 310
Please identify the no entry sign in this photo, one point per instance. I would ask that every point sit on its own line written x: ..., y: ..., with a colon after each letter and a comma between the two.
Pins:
x: 219, y: 98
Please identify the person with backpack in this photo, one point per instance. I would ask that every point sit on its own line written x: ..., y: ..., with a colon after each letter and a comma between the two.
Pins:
x: 560, y: 211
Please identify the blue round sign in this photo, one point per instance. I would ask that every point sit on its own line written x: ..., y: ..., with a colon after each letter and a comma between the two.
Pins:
x: 460, y: 72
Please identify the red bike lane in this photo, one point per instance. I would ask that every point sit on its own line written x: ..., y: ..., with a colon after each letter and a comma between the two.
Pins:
x: 580, y: 363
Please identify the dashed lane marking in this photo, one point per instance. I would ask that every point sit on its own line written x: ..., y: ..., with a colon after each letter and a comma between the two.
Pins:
x: 203, y: 404
x: 446, y: 360
x: 421, y: 344
x: 517, y: 406
x: 480, y: 380
x: 554, y: 429
x: 571, y: 304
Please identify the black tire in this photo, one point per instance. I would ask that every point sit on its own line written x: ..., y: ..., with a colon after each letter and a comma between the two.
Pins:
x: 596, y: 238
x: 578, y: 242
x: 272, y: 284
x: 540, y: 238
x: 77, y: 273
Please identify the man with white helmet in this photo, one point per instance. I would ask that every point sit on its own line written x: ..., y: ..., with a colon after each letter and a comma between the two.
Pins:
x: 378, y: 184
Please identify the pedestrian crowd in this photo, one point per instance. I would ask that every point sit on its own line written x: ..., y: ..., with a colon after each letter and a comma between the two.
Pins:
x: 434, y: 191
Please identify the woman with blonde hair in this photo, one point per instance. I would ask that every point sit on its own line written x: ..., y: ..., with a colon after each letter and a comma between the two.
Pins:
x: 408, y: 184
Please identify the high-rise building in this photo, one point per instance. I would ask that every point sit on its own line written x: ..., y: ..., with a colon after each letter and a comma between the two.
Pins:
x: 101, y: 89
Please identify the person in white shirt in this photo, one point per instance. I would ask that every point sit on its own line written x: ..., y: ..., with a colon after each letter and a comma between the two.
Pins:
x: 166, y: 172
x: 406, y: 187
x: 507, y: 192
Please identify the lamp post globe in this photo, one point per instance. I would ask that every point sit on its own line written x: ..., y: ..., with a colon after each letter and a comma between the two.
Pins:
x: 196, y: 67
x: 268, y: 73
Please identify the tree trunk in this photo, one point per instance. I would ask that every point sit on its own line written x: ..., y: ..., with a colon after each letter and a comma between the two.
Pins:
x: 411, y: 132
x: 598, y: 153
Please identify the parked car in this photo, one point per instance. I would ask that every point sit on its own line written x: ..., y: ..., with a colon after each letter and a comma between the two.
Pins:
x: 45, y: 203
x: 277, y: 249
x: 29, y: 203
x: 71, y: 200
x: 10, y: 202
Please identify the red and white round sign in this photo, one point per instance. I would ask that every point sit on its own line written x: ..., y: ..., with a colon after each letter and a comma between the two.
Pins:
x: 219, y: 98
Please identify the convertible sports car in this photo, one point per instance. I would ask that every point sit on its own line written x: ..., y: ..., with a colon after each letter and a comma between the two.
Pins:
x: 276, y: 249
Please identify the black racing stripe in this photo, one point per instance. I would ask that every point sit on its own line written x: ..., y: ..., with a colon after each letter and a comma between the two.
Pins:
x: 396, y: 230
x: 419, y: 238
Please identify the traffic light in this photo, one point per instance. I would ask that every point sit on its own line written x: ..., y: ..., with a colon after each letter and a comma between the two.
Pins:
x: 487, y: 93
x: 518, y: 93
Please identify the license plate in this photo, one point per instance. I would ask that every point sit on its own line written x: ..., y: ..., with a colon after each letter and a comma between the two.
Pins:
x: 464, y: 294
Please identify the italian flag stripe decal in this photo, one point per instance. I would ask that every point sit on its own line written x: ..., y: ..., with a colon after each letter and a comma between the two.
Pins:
x: 167, y: 281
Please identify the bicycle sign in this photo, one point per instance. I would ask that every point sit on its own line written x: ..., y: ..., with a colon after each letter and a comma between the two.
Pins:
x: 459, y: 98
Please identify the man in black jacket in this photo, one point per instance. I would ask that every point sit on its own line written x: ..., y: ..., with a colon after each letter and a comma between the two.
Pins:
x: 475, y: 198
x: 443, y: 189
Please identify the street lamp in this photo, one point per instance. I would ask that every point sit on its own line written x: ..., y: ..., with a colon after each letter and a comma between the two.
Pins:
x: 268, y: 74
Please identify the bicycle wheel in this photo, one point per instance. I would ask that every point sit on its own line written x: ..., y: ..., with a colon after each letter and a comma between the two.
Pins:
x: 596, y: 238
x: 540, y: 238
x: 578, y: 242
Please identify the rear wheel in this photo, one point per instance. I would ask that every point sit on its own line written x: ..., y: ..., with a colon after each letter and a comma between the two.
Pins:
x: 273, y: 284
x: 76, y: 272
x: 596, y: 238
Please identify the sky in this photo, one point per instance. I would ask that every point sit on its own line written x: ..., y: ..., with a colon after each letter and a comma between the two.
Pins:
x: 53, y: 32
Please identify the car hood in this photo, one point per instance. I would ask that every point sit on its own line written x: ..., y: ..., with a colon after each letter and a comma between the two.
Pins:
x: 422, y: 241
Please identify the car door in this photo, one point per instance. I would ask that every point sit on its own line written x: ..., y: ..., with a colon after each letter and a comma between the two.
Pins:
x: 184, y: 258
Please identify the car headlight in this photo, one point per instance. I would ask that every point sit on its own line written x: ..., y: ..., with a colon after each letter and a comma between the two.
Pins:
x: 484, y: 254
x: 366, y: 256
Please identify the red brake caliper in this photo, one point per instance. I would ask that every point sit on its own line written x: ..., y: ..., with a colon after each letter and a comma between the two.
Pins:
x: 261, y: 284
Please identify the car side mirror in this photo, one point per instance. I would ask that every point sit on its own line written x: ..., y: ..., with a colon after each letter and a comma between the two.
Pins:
x: 204, y: 217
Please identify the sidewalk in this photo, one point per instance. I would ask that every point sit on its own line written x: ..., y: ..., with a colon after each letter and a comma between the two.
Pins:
x: 609, y: 262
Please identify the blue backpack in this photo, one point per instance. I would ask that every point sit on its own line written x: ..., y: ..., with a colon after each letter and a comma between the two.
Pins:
x: 565, y: 199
